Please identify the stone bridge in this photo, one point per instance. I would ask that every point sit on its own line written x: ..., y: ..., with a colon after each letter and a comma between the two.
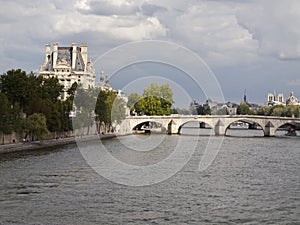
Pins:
x: 172, y: 124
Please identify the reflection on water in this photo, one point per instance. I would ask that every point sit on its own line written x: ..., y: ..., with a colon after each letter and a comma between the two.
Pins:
x: 252, y: 181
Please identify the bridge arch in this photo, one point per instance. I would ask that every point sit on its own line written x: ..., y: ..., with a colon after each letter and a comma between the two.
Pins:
x: 253, y: 122
x: 285, y: 123
x: 148, y: 124
x: 193, y: 121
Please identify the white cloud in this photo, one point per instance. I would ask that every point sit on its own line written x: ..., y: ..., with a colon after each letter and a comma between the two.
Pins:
x: 275, y: 24
x: 230, y: 34
x: 129, y: 28
x: 104, y: 7
x: 211, y: 30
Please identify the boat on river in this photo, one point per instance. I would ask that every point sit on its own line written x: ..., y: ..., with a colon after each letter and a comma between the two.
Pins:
x: 291, y: 132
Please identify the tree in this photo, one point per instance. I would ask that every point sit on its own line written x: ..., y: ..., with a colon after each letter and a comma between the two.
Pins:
x: 164, y: 92
x: 5, y: 123
x: 277, y: 110
x: 51, y: 89
x: 63, y: 109
x: 36, y: 126
x: 156, y: 100
x: 109, y: 108
x: 133, y: 98
x: 85, y: 105
x: 118, y: 110
x: 264, y: 111
x: 14, y: 84
x: 243, y: 109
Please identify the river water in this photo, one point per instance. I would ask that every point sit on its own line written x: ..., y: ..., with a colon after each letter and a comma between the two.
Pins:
x: 253, y: 180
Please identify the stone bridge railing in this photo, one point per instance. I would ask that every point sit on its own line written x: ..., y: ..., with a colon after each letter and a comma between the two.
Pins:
x: 173, y: 124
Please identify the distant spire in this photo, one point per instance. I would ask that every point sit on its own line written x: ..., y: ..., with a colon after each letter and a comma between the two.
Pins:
x: 245, y: 96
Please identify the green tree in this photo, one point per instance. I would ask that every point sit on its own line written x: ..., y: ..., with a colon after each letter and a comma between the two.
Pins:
x: 133, y: 98
x: 153, y: 90
x: 277, y: 110
x: 36, y: 126
x: 156, y: 100
x: 5, y: 123
x: 48, y: 109
x: 291, y: 111
x: 51, y: 89
x: 264, y: 111
x: 64, y: 109
x: 85, y: 105
x: 244, y: 109
x: 109, y: 108
x: 14, y: 84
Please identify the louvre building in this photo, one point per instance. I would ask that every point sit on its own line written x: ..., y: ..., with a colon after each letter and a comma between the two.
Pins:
x: 69, y: 65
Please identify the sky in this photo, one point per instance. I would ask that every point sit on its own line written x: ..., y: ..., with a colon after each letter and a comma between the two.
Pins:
x: 251, y: 45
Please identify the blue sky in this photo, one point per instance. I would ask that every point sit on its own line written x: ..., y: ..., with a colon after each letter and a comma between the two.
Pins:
x: 250, y: 44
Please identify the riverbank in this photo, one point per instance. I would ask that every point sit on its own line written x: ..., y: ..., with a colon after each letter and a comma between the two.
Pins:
x: 28, y: 146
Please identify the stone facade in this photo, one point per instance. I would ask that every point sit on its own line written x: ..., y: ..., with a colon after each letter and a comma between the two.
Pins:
x: 68, y: 65
x: 291, y: 100
x: 272, y: 100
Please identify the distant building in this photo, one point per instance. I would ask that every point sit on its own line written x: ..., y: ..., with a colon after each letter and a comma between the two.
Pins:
x: 254, y: 107
x: 292, y: 100
x: 228, y: 108
x: 272, y: 100
x: 68, y: 65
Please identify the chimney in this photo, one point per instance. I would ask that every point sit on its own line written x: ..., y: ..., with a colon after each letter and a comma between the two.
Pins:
x: 74, y: 55
x: 83, y: 49
x: 55, y: 53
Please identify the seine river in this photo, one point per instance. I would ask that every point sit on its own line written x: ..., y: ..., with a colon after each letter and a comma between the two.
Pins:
x: 253, y: 180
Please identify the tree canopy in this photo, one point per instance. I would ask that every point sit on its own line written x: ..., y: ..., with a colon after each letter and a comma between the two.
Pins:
x: 244, y: 109
x: 156, y: 100
x: 109, y: 107
x: 30, y: 94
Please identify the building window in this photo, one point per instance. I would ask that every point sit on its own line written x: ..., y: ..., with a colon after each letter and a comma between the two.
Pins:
x: 68, y: 83
x: 270, y: 98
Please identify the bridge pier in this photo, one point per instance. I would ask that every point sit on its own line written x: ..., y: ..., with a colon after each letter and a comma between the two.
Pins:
x: 269, y: 130
x: 172, y: 127
x: 220, y: 128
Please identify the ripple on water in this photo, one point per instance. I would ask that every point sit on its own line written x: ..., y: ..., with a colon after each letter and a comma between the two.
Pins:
x: 251, y: 181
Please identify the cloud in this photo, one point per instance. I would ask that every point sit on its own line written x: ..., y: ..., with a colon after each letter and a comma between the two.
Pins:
x: 106, y: 8
x: 128, y: 28
x: 275, y: 26
x: 151, y: 9
x: 211, y: 30
x: 241, y: 39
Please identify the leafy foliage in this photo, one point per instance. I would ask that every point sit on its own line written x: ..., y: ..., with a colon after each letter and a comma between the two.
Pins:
x: 36, y: 126
x: 244, y: 109
x: 14, y: 84
x: 279, y: 110
x: 31, y: 94
x: 156, y: 100
x: 109, y: 107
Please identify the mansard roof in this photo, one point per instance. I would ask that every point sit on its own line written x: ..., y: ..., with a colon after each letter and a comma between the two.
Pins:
x: 64, y: 55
